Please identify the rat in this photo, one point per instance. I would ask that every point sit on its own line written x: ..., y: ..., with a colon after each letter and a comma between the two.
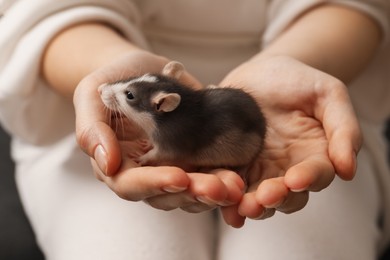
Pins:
x: 205, y: 128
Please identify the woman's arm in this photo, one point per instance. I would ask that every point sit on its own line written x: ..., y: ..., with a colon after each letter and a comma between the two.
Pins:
x: 334, y: 39
x: 79, y: 50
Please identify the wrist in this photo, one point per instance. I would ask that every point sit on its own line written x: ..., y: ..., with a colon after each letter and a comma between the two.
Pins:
x: 341, y: 50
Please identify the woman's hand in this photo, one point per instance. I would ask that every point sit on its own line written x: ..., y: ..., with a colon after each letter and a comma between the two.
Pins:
x: 94, y: 133
x: 114, y: 145
x: 312, y: 134
x: 312, y: 129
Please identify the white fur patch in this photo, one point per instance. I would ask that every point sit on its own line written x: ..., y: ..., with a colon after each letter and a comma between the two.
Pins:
x: 143, y: 119
x: 145, y: 78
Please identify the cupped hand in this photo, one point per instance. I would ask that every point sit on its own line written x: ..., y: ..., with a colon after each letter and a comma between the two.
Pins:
x: 114, y: 143
x: 312, y: 134
x: 167, y: 187
x: 93, y: 129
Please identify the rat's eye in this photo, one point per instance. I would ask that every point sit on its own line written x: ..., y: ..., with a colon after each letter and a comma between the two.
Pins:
x: 129, y: 95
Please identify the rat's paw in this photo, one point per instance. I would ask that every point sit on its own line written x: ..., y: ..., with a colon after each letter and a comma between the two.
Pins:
x: 134, y: 155
x: 145, y: 145
x: 148, y: 159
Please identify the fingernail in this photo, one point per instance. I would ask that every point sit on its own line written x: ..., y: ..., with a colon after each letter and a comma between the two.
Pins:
x: 101, y: 158
x: 299, y: 190
x: 206, y: 200
x: 275, y: 205
x: 173, y: 189
x: 226, y: 203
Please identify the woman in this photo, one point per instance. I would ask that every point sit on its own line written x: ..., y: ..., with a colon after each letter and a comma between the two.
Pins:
x: 293, y: 56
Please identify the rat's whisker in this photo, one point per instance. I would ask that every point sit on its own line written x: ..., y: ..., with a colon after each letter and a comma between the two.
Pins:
x: 122, y: 118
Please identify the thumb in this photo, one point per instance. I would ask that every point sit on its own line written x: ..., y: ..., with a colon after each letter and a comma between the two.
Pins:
x: 94, y: 136
x: 342, y: 130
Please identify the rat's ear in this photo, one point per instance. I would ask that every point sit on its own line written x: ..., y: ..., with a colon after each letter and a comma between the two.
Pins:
x: 166, y: 102
x: 173, y: 69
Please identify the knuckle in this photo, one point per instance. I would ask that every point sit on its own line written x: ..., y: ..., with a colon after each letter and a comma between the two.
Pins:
x: 122, y: 192
x: 82, y: 138
x: 159, y: 205
x: 213, y: 181
x: 294, y: 202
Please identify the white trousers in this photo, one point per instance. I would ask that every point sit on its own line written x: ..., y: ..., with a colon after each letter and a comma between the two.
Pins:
x: 76, y: 217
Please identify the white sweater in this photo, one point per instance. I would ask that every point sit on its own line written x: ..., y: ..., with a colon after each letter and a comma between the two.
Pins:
x: 209, y: 42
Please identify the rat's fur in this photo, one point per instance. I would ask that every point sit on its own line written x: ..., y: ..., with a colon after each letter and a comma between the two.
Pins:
x: 212, y: 127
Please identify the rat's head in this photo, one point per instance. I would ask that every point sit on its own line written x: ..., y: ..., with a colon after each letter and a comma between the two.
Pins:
x: 148, y: 93
x: 141, y: 98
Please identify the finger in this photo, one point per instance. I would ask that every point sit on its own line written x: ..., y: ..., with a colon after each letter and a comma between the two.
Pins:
x: 170, y: 201
x: 197, y: 208
x: 93, y: 134
x: 250, y: 208
x: 208, y: 188
x: 274, y: 194
x: 233, y: 183
x: 271, y: 193
x: 313, y: 174
x: 231, y: 216
x: 294, y: 201
x: 206, y: 191
x: 341, y: 127
x: 97, y: 171
x: 140, y: 183
x: 344, y: 154
x: 189, y: 80
x: 184, y: 200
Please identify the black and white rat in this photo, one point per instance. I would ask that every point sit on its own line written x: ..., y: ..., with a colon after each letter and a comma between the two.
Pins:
x: 212, y: 127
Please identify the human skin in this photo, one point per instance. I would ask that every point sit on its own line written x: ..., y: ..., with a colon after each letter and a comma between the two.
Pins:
x: 119, y: 58
x: 312, y: 129
x: 342, y: 48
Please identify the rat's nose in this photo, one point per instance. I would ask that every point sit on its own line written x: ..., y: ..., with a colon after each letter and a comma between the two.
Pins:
x: 101, y: 88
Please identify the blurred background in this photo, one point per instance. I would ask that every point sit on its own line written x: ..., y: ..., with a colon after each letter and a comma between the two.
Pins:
x: 17, y: 241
